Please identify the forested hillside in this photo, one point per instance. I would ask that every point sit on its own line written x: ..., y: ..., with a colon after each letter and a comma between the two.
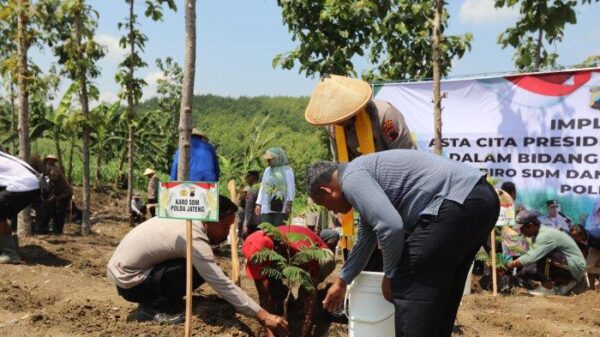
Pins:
x: 243, y: 128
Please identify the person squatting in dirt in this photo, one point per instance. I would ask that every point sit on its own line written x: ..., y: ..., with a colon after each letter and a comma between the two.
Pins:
x: 271, y: 291
x: 153, y: 182
x: 559, y: 263
x: 137, y: 210
x: 148, y: 268
x: 19, y: 187
x: 429, y: 215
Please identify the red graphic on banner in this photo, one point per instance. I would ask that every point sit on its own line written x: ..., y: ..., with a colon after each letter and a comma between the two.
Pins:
x: 552, y: 84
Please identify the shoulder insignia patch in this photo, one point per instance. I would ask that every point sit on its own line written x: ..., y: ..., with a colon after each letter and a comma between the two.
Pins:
x: 390, y: 130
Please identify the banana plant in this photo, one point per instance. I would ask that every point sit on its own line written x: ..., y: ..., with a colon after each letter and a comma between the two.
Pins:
x: 53, y: 122
x: 106, y: 119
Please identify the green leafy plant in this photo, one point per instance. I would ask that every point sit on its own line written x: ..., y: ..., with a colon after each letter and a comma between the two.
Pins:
x: 287, y: 267
x: 502, y: 260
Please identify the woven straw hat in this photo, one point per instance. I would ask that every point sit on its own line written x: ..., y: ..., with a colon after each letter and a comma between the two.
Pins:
x: 336, y: 99
x: 196, y: 132
x: 148, y: 171
x: 50, y: 157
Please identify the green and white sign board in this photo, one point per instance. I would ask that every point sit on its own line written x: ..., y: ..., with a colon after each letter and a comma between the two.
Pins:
x: 190, y: 200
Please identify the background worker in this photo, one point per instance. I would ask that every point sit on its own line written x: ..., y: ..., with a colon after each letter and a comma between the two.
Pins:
x: 560, y: 263
x: 58, y: 204
x: 554, y: 218
x: 277, y: 188
x: 204, y: 164
x: 148, y: 267
x: 271, y: 292
x: 250, y: 220
x: 138, y: 209
x: 152, y: 190
x: 430, y: 215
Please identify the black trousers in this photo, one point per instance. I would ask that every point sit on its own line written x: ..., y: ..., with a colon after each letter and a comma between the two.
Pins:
x: 11, y: 203
x: 436, y: 259
x: 547, y: 268
x: 164, y: 287
x: 58, y: 212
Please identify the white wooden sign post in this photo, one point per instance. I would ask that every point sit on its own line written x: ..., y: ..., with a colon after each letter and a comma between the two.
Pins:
x: 188, y: 200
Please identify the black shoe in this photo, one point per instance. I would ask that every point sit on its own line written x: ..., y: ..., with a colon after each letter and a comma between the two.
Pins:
x: 146, y: 313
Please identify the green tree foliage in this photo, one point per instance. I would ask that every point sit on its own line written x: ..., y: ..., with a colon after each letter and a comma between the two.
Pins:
x: 396, y: 34
x: 134, y: 41
x: 540, y: 22
x: 168, y: 89
x: 592, y: 61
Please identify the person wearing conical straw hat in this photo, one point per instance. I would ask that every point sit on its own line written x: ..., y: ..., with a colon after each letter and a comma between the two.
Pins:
x: 337, y: 100
x: 152, y: 190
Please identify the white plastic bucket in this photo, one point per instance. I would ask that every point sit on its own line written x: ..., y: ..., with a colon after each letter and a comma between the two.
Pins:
x: 469, y: 282
x: 369, y: 314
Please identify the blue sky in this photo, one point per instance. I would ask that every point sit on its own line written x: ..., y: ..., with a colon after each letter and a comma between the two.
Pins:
x: 237, y: 40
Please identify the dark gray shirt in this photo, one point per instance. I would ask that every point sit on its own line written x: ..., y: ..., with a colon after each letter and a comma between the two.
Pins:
x: 391, y: 190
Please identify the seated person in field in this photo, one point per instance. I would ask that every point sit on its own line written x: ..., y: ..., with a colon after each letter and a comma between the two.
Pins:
x: 590, y: 248
x: 148, y: 267
x: 271, y: 291
x: 555, y: 219
x: 559, y: 262
x: 138, y: 209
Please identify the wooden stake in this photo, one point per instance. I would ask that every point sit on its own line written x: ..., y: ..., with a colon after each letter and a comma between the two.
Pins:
x: 235, y: 261
x: 494, y: 278
x: 233, y: 236
x: 188, y: 283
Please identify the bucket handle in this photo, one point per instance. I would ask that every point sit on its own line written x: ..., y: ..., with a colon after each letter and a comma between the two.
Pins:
x: 346, y: 311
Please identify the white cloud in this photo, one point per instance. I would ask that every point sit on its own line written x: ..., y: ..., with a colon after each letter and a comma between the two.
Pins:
x: 151, y: 80
x: 484, y: 12
x: 114, y: 52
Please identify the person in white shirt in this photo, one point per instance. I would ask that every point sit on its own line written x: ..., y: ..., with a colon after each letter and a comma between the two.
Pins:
x: 19, y: 187
x: 277, y: 189
x: 555, y: 219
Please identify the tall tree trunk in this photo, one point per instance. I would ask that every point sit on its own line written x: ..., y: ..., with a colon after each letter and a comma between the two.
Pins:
x: 99, y: 158
x: 538, y: 51
x: 85, y: 109
x: 120, y: 171
x: 56, y: 137
x: 24, y: 227
x: 13, y: 120
x: 70, y: 174
x: 437, y: 97
x: 130, y: 117
x: 189, y: 71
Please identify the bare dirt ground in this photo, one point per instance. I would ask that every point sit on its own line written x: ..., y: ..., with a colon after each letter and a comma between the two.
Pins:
x: 62, y: 290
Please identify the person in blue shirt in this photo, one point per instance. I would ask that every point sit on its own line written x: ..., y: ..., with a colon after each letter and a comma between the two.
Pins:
x: 204, y: 164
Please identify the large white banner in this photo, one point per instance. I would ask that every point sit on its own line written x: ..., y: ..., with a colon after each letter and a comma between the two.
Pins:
x: 541, y: 132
